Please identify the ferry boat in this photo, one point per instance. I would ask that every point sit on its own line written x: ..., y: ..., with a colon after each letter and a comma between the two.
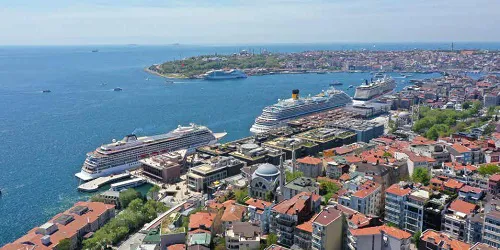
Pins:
x: 119, y: 156
x: 374, y: 89
x: 224, y: 74
x: 117, y: 89
x: 336, y: 83
x: 132, y: 183
x: 278, y: 114
x: 46, y: 91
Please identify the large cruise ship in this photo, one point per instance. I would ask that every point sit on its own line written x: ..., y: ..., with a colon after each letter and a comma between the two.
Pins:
x: 224, y: 74
x: 374, y: 89
x: 123, y: 155
x: 277, y: 115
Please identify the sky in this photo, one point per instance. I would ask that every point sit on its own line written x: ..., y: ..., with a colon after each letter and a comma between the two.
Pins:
x: 87, y: 22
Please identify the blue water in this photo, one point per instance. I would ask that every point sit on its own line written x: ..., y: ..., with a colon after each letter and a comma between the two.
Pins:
x: 45, y: 136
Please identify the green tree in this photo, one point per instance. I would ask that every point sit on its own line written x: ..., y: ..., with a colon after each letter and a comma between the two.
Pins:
x: 466, y: 105
x: 421, y: 175
x: 97, y: 198
x: 416, y: 238
x: 386, y: 155
x: 135, y: 205
x: 488, y: 169
x: 269, y: 196
x: 128, y: 195
x: 292, y: 176
x: 241, y: 195
x: 153, y: 192
x: 271, y: 239
x: 64, y: 244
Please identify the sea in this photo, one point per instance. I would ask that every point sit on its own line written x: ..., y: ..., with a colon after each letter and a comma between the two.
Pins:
x: 45, y: 136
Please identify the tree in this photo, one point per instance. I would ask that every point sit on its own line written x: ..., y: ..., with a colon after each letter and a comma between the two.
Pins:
x: 421, y: 175
x: 153, y: 192
x: 64, y: 244
x: 269, y: 196
x: 271, y: 239
x: 488, y: 169
x: 466, y: 105
x: 97, y: 198
x: 241, y: 195
x: 292, y: 176
x: 387, y: 155
x: 416, y: 238
x: 135, y: 205
x: 128, y: 195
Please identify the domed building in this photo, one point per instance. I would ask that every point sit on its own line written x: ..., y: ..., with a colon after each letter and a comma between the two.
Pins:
x: 266, y: 178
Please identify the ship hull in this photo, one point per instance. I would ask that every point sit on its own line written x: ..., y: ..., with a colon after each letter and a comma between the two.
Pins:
x: 86, y: 176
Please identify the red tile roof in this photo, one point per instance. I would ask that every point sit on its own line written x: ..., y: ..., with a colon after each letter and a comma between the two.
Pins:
x: 439, y: 238
x: 462, y: 206
x: 260, y: 204
x: 469, y: 189
x: 397, y: 190
x: 345, y: 177
x: 392, y: 231
x: 460, y: 148
x: 366, y: 189
x: 309, y: 160
x: 352, y: 159
x: 233, y: 213
x: 296, y: 204
x: 453, y: 184
x: 307, y: 226
x: 176, y: 247
x: 201, y: 219
x: 95, y: 211
x: 495, y: 178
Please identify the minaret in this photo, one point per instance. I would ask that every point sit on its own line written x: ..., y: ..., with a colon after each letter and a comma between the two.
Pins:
x: 293, y: 158
x: 282, y: 174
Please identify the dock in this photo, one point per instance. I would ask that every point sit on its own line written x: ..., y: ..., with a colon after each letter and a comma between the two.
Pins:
x: 95, y: 184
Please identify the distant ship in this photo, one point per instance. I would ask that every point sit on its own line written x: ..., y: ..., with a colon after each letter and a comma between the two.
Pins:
x: 278, y: 114
x: 224, y: 74
x: 95, y: 50
x: 123, y: 155
x: 374, y: 89
x: 117, y: 89
x: 336, y: 83
x: 46, y: 91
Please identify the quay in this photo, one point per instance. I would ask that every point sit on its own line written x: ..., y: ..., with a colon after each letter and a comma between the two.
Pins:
x: 95, y: 184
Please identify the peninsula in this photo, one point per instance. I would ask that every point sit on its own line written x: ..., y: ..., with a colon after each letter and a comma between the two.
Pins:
x: 423, y: 61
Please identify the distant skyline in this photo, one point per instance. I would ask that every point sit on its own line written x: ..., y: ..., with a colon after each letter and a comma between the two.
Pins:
x: 71, y: 22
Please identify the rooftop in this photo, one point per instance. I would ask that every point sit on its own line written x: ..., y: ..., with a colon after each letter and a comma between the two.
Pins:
x: 327, y: 216
x: 462, y: 207
x: 392, y: 231
x: 443, y: 240
x: 296, y: 204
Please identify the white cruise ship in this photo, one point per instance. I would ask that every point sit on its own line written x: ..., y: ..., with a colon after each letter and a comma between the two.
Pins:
x: 123, y: 155
x: 374, y: 89
x: 277, y: 115
x: 224, y: 74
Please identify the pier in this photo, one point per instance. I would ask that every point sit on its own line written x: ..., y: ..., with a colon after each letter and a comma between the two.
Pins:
x: 94, y: 185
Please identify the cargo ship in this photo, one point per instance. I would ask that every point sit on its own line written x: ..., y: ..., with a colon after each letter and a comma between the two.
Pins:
x: 374, y: 89
x: 123, y: 155
x: 278, y: 114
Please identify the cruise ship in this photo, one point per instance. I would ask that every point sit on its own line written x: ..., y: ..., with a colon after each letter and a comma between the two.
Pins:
x: 374, y: 89
x: 277, y: 115
x: 125, y: 154
x: 224, y: 74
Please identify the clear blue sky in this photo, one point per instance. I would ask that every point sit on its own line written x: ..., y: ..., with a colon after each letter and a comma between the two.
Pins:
x: 33, y: 22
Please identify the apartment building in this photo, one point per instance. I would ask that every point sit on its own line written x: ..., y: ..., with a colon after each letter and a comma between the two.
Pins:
x: 381, y: 237
x: 326, y: 230
x: 435, y: 240
x: 286, y: 215
x: 414, y: 210
x: 243, y: 236
x: 362, y: 195
x: 395, y: 199
x: 259, y: 213
x: 456, y: 218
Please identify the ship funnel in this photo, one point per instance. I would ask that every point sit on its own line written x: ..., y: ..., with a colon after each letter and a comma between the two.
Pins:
x: 295, y: 94
x: 366, y: 82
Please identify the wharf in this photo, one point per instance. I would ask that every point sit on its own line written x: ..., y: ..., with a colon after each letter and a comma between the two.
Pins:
x: 95, y: 184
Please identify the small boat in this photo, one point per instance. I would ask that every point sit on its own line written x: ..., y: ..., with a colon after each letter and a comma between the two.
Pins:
x: 169, y: 82
x: 46, y: 91
x: 95, y: 50
x: 336, y: 83
x: 350, y: 87
x: 117, y: 89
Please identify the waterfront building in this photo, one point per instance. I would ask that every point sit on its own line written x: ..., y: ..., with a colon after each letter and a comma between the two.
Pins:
x: 299, y: 185
x: 266, y: 178
x: 365, y: 130
x: 259, y: 212
x: 75, y: 224
x: 326, y: 228
x: 327, y: 138
x: 310, y: 166
x: 381, y: 237
x: 166, y: 167
x: 243, y: 236
x: 432, y: 239
x: 216, y: 169
x: 287, y: 214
